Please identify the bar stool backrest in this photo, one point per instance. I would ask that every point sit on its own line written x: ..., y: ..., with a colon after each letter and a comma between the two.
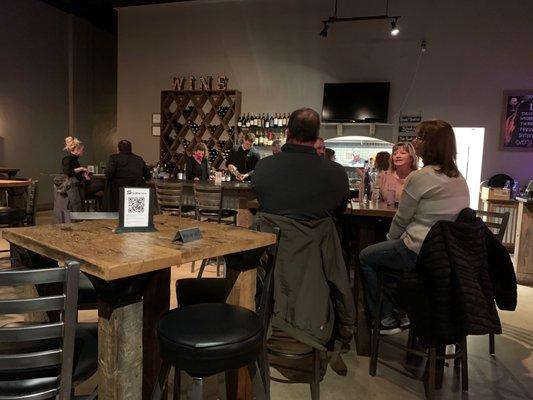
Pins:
x: 208, y: 199
x: 169, y: 195
x: 31, y: 202
x: 37, y: 346
x: 490, y: 217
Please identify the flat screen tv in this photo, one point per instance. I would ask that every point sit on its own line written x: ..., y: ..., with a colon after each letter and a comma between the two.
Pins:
x: 356, y: 102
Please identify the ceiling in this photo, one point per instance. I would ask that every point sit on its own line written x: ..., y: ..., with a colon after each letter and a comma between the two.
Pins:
x: 101, y: 13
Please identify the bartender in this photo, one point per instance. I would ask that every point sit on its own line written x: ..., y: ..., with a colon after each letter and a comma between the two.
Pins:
x: 242, y: 159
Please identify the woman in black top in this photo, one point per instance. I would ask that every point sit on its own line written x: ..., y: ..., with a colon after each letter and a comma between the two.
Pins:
x: 70, y: 164
x: 197, y: 167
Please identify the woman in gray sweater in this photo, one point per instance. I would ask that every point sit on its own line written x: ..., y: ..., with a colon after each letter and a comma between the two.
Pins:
x: 436, y: 192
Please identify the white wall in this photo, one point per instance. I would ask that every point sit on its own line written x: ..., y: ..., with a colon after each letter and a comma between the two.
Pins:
x: 271, y: 51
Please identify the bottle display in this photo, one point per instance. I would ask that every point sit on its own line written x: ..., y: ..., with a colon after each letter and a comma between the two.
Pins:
x: 265, y: 126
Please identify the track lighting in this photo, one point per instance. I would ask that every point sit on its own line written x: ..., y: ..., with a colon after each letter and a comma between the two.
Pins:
x: 334, y: 19
x: 394, y: 31
x: 324, y: 31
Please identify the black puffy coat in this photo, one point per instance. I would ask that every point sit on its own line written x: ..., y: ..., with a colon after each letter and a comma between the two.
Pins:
x: 450, y: 294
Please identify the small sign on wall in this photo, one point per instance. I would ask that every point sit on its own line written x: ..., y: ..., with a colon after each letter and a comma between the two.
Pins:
x: 517, y: 120
x: 406, y: 127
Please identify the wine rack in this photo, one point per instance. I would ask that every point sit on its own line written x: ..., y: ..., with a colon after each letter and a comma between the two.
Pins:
x: 189, y: 117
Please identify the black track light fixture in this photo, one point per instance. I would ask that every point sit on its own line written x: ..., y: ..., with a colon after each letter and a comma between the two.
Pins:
x: 394, y: 31
x: 324, y: 31
x: 334, y: 19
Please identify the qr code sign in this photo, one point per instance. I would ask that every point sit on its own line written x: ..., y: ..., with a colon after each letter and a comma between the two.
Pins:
x: 135, y: 204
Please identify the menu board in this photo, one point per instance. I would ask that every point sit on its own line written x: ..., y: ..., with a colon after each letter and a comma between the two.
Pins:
x: 517, y: 120
x: 406, y: 127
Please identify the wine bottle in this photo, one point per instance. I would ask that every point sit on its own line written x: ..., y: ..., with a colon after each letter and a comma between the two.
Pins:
x: 267, y: 121
x: 239, y: 122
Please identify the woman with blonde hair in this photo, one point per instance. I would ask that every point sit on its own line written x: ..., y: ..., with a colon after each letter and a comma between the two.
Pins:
x: 402, y: 163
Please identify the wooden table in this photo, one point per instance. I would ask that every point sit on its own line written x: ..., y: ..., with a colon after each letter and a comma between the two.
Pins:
x: 131, y: 273
x: 523, y: 249
x: 15, y: 191
x: 363, y: 225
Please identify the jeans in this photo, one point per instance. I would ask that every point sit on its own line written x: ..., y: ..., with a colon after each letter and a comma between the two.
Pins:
x: 392, y: 254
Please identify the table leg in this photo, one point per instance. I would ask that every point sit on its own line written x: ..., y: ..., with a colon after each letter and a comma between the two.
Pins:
x: 120, y: 351
x: 156, y: 302
x: 241, y: 287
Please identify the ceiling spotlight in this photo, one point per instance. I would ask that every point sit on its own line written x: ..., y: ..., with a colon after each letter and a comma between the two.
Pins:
x: 423, y: 46
x: 324, y: 32
x: 394, y: 31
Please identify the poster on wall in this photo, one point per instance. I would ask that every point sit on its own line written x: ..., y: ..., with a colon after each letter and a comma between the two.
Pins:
x: 406, y: 127
x: 517, y: 120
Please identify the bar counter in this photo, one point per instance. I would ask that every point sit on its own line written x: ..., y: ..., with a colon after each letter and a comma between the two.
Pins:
x: 523, y: 250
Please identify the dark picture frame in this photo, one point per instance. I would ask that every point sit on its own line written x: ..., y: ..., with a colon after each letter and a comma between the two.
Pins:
x: 516, y: 132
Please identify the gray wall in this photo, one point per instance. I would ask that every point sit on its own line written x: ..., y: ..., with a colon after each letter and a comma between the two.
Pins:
x: 33, y: 89
x: 58, y: 78
x: 271, y: 51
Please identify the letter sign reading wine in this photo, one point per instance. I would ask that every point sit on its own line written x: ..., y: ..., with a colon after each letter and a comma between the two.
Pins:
x: 206, y: 82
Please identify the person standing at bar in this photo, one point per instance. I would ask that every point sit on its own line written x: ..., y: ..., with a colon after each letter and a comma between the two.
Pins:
x: 329, y: 154
x: 242, y: 159
x: 124, y: 169
x: 276, y: 147
x: 197, y: 167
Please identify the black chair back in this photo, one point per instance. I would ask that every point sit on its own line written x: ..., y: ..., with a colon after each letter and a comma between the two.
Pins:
x: 36, y: 346
x: 498, y: 228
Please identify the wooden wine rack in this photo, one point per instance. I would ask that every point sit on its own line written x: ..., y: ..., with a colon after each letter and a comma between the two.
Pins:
x: 189, y: 117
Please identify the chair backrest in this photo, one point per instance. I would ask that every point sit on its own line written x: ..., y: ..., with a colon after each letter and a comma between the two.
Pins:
x: 490, y: 217
x: 36, y: 346
x: 168, y: 195
x: 70, y: 216
x: 31, y: 201
x: 208, y: 199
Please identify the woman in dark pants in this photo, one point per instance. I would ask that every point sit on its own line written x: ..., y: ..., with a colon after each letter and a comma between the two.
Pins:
x: 197, y: 167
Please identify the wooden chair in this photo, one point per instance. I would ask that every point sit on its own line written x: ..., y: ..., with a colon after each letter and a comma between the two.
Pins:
x: 45, y: 359
x: 169, y: 197
x: 208, y: 199
x: 498, y: 228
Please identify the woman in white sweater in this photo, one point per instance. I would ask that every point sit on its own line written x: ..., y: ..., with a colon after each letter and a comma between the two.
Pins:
x: 436, y: 192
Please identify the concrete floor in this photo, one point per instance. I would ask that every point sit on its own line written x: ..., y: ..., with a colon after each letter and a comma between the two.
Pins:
x: 507, y: 375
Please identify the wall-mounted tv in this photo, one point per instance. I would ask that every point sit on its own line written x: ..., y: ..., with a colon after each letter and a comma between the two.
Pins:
x: 356, y: 102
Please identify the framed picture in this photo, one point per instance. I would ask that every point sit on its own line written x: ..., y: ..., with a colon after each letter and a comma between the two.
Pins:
x: 156, y: 118
x: 517, y: 121
x: 156, y: 131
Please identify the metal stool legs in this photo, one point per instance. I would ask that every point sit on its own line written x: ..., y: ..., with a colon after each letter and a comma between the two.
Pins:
x: 492, y: 345
x: 157, y: 393
x: 374, y: 345
x: 315, y: 385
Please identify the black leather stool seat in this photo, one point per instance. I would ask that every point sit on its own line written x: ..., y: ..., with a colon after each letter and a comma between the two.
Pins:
x: 37, y: 379
x: 11, y: 216
x: 191, y: 291
x: 207, y: 339
x: 87, y: 299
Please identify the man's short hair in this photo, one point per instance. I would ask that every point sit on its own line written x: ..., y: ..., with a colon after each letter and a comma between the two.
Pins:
x: 124, y: 147
x: 276, y: 143
x: 248, y: 137
x: 304, y: 125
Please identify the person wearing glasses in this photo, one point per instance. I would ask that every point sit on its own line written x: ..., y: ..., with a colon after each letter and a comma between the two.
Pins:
x: 435, y: 192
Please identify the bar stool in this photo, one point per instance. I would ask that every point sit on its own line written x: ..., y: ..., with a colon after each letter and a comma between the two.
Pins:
x: 170, y: 198
x: 208, y: 199
x: 460, y: 356
x: 11, y: 216
x: 210, y: 338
